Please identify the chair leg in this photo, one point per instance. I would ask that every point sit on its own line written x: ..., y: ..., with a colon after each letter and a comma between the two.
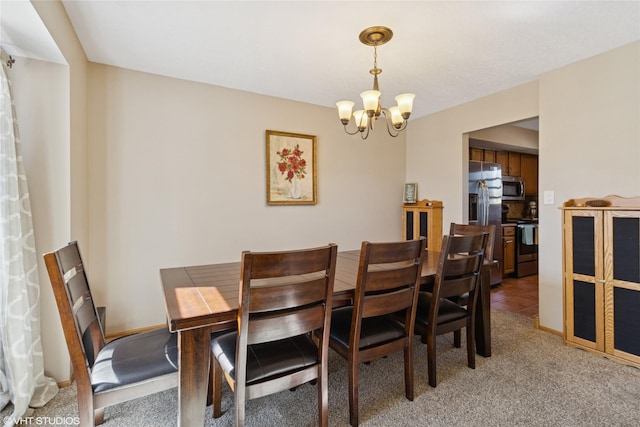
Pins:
x: 323, y: 396
x: 471, y: 346
x: 216, y: 386
x: 431, y: 358
x: 353, y: 393
x: 99, y: 416
x: 87, y: 415
x: 457, y: 335
x: 408, y: 371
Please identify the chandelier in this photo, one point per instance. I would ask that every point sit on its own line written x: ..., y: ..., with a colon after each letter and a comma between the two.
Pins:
x: 395, y: 117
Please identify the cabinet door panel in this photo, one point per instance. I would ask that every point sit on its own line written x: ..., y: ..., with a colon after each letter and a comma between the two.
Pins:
x: 584, y: 287
x: 626, y: 320
x: 514, y: 164
x: 622, y: 291
x: 626, y: 249
x: 582, y: 245
x: 408, y: 225
x: 584, y: 310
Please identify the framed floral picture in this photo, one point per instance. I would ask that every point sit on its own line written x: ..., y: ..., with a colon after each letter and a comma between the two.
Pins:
x: 291, y: 168
x: 410, y: 192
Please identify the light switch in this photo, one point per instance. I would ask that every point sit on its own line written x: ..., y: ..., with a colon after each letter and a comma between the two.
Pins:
x: 548, y: 197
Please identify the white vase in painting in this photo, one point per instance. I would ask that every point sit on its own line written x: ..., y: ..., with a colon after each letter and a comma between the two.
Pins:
x: 295, y: 192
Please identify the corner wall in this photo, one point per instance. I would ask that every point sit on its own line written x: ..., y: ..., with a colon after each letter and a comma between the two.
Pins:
x: 589, y: 140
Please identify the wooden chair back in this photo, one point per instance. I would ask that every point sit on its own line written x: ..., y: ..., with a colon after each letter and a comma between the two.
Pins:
x: 452, y: 303
x: 381, y: 321
x: 459, y: 266
x: 128, y: 367
x: 80, y: 320
x: 283, y: 295
x: 388, y: 282
x: 463, y: 229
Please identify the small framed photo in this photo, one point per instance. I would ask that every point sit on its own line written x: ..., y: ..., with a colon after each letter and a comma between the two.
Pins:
x: 291, y: 168
x: 411, y: 192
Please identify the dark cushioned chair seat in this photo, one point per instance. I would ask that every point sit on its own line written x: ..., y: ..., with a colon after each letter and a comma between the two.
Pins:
x: 266, y: 360
x: 135, y: 358
x: 449, y: 311
x: 374, y: 330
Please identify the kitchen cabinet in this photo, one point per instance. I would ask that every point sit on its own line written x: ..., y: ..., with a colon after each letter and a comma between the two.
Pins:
x: 508, y: 249
x: 476, y: 154
x: 514, y: 164
x: 601, y: 281
x: 529, y: 171
x: 423, y: 218
x: 502, y: 157
x: 489, y: 156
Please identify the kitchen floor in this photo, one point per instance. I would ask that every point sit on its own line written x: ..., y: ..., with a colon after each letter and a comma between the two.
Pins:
x: 517, y: 295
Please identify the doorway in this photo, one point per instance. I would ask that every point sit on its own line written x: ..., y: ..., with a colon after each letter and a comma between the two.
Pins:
x: 507, y: 145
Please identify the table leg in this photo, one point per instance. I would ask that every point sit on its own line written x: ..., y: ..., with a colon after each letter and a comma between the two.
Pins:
x: 483, y: 315
x: 194, y: 349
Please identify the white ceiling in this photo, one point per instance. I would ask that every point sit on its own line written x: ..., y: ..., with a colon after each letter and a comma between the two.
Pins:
x: 446, y: 52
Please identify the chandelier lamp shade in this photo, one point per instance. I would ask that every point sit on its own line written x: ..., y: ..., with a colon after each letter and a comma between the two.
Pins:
x: 395, y: 117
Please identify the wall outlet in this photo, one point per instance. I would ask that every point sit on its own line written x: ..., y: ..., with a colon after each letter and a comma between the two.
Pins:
x: 548, y: 197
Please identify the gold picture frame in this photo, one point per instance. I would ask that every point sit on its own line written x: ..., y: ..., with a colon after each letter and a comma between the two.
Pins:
x: 292, y: 177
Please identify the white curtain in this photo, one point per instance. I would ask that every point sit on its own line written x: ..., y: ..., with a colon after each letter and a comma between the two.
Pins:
x: 22, y: 379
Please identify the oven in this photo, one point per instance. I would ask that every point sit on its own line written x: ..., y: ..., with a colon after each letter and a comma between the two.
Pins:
x: 526, y: 249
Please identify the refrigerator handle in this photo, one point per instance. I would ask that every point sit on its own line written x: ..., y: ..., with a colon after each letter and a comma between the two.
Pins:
x: 483, y: 203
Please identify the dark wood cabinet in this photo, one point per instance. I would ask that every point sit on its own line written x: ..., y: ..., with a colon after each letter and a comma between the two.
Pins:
x: 514, y: 164
x: 601, y: 286
x: 529, y: 172
x: 508, y: 249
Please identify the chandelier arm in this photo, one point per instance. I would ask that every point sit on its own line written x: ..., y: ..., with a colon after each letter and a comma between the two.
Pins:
x: 364, y: 135
x: 350, y: 133
x: 390, y: 126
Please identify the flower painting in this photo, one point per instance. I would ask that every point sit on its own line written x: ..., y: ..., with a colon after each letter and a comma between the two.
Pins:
x: 291, y: 168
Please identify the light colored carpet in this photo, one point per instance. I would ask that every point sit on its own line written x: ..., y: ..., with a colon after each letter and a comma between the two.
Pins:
x: 531, y: 379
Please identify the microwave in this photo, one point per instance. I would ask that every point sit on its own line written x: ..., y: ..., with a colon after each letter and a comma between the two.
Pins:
x: 512, y: 188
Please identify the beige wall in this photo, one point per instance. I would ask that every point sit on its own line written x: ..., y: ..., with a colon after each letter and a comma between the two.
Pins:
x: 589, y: 147
x: 177, y: 177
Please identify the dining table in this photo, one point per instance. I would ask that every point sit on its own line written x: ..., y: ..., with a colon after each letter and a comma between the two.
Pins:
x: 203, y: 299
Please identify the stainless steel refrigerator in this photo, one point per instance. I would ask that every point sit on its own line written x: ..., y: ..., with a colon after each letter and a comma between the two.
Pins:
x: 485, y: 205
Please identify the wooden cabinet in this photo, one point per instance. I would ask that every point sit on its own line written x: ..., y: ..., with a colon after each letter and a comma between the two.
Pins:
x: 482, y: 154
x: 489, y: 156
x: 476, y: 154
x: 508, y: 249
x: 502, y: 157
x: 601, y: 281
x: 529, y: 171
x: 510, y: 162
x: 423, y: 218
x: 514, y: 164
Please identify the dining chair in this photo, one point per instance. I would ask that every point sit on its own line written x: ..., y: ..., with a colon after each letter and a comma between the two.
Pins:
x: 106, y: 373
x: 457, y: 274
x: 464, y: 229
x: 284, y: 298
x: 387, y: 285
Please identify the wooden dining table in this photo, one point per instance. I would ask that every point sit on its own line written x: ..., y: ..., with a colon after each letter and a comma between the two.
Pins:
x: 203, y: 299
